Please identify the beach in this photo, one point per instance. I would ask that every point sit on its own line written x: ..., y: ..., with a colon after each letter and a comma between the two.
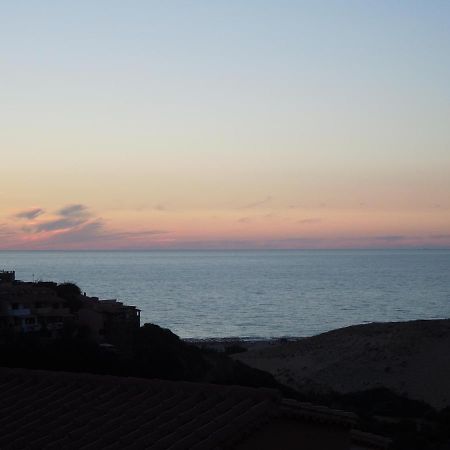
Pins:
x: 410, y: 358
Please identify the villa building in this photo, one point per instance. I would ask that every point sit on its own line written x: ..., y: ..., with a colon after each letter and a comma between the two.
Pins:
x: 27, y: 307
x: 108, y: 320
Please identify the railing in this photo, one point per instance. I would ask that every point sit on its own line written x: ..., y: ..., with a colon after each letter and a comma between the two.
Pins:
x: 21, y: 312
x: 29, y: 327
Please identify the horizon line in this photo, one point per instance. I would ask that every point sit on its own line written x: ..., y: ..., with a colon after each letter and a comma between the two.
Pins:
x: 223, y: 249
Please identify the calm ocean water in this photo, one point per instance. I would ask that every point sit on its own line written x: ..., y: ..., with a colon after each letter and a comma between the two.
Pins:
x: 255, y: 293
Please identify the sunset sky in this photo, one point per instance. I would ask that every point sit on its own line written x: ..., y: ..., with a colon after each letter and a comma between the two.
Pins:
x: 233, y: 124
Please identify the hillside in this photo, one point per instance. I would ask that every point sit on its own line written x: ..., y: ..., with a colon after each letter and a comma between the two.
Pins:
x: 410, y: 358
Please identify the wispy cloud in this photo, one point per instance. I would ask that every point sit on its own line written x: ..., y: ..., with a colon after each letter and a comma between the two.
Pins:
x: 391, y: 237
x: 67, y: 217
x: 72, y: 226
x: 57, y: 224
x: 309, y: 220
x: 6, y: 232
x: 258, y: 203
x: 30, y: 214
x: 96, y: 232
x: 76, y: 210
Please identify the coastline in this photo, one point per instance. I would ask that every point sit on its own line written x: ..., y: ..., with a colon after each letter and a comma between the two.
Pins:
x: 221, y: 344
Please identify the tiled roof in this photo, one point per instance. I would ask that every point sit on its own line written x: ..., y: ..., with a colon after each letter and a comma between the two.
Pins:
x: 56, y: 410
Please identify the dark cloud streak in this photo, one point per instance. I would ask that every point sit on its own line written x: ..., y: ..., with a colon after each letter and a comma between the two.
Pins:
x: 70, y: 216
x: 76, y: 210
x: 76, y: 226
x: 57, y: 224
x: 259, y: 203
x: 30, y: 214
x: 309, y: 220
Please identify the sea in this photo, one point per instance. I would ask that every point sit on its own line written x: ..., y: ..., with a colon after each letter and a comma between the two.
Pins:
x: 254, y: 294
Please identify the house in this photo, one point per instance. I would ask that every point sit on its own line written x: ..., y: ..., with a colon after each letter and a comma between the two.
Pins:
x: 57, y: 410
x: 27, y: 307
x: 108, y: 321
x: 7, y: 276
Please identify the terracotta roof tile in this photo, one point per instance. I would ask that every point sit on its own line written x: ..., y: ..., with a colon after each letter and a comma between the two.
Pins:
x: 56, y: 410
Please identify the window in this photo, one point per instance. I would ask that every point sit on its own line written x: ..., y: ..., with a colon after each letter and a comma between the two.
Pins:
x: 15, y: 306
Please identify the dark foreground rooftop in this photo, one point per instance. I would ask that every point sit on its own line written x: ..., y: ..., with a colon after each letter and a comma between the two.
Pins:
x: 57, y: 410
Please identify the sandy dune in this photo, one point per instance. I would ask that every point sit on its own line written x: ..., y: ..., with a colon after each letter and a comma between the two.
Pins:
x: 411, y: 358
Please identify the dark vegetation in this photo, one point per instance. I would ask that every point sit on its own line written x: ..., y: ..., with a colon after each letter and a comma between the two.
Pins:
x: 68, y: 291
x: 411, y: 424
x: 156, y: 353
x: 234, y: 348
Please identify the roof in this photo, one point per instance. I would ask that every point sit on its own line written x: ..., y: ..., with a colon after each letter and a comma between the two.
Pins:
x: 110, y: 305
x: 57, y: 410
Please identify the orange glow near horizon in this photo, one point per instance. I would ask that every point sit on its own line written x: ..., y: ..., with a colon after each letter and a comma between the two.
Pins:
x: 287, y: 228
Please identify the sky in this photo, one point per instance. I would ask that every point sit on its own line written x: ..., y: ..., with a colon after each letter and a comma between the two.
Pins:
x: 224, y: 125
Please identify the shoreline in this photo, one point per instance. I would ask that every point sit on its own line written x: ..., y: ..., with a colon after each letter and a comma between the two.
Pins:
x: 250, y: 341
x: 247, y: 343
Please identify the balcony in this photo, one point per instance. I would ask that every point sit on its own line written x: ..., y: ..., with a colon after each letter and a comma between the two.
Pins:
x: 20, y: 312
x: 28, y: 328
